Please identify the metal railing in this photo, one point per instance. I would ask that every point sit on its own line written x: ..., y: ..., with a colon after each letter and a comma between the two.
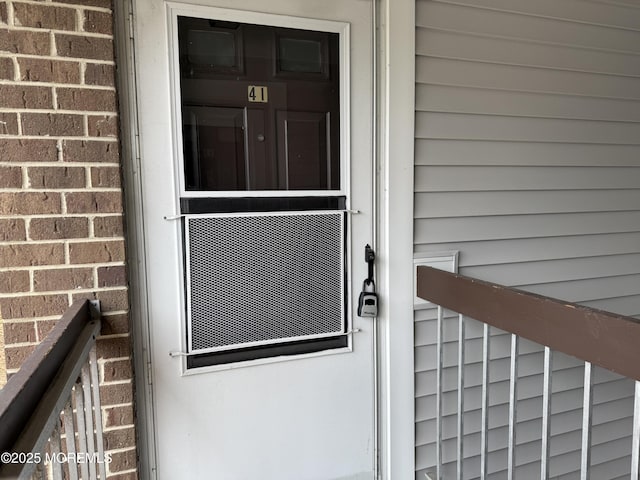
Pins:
x: 595, y: 337
x: 50, y: 416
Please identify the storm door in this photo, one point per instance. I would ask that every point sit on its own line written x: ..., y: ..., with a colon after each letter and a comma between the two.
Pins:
x: 257, y: 177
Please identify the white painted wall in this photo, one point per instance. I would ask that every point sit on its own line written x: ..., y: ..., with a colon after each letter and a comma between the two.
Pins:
x: 527, y: 162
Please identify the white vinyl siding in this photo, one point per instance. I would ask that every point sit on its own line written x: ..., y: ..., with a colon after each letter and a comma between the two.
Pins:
x: 528, y: 163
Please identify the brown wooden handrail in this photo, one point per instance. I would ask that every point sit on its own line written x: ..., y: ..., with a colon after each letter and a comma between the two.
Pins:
x: 602, y: 338
x: 28, y: 387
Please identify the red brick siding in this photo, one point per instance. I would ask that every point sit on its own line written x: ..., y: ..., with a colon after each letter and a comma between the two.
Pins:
x: 61, y: 212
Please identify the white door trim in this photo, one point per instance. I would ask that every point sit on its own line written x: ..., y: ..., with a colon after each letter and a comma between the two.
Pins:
x: 126, y: 77
x: 396, y: 78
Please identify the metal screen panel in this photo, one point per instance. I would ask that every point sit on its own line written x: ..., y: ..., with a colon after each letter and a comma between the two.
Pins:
x: 264, y: 278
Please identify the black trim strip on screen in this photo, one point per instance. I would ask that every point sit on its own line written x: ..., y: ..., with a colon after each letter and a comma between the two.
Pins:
x: 266, y: 351
x: 197, y: 205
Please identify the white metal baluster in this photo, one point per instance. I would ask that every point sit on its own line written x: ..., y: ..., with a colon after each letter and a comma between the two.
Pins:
x: 513, y: 406
x: 546, y: 411
x: 70, y: 438
x: 461, y: 348
x: 88, y: 415
x: 485, y: 403
x: 635, y: 444
x: 95, y: 387
x: 55, y: 465
x: 82, y: 429
x: 439, y: 395
x: 585, y: 456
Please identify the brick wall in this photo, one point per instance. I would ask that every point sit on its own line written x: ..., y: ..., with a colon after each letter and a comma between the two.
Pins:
x: 61, y: 225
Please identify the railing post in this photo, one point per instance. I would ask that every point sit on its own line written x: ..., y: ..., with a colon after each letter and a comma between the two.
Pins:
x: 70, y: 437
x: 585, y: 453
x: 55, y: 466
x: 439, y: 341
x: 484, y: 432
x: 513, y: 402
x: 546, y: 414
x: 635, y: 443
x: 82, y: 428
x: 460, y: 426
x: 95, y: 387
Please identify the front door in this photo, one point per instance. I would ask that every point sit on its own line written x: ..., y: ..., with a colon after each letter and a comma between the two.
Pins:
x: 255, y: 135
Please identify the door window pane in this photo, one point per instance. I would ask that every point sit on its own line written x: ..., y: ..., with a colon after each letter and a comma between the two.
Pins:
x: 260, y: 107
x: 214, y: 48
x: 214, y: 148
x: 300, y: 56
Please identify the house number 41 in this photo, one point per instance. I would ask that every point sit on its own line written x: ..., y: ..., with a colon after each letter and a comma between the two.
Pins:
x: 257, y: 93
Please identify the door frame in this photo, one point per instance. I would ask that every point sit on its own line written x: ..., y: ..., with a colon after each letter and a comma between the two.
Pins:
x: 395, y: 47
x: 393, y: 138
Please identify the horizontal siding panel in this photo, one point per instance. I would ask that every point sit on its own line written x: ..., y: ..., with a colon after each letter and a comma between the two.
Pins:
x: 442, y: 98
x: 456, y: 45
x: 561, y: 270
x: 629, y: 306
x: 523, y: 226
x: 489, y: 179
x: 615, y: 469
x: 495, y: 252
x: 601, y: 375
x: 471, y: 204
x: 611, y: 411
x: 606, y: 454
x: 591, y: 289
x: 528, y: 129
x: 513, y: 25
x: 615, y: 15
x: 614, y: 430
x: 524, y: 79
x: 487, y: 153
x: 605, y: 392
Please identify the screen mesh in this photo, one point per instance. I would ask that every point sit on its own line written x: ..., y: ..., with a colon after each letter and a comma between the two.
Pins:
x: 264, y: 278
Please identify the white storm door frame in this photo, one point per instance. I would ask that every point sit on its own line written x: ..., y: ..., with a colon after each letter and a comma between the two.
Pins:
x: 396, y: 59
x: 258, y: 18
x: 176, y: 9
x: 166, y: 204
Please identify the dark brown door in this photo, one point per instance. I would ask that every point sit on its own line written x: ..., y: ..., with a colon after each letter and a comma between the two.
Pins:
x: 260, y: 107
